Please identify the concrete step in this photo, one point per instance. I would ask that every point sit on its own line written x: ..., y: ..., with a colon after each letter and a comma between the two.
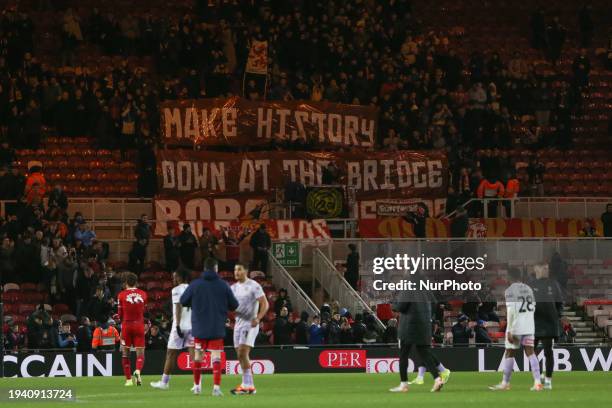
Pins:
x: 568, y: 313
x: 574, y: 318
x: 583, y: 329
x: 593, y: 340
x: 580, y: 324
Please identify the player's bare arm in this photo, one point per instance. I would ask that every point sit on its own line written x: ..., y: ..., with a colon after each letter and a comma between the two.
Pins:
x: 263, y: 309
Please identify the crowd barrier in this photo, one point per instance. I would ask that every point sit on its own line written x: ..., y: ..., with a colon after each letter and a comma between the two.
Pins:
x: 295, y: 359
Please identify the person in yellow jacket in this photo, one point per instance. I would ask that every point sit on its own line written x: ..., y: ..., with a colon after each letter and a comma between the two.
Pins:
x: 105, y: 337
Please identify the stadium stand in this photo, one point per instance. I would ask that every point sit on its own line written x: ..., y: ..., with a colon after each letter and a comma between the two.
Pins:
x: 87, y: 112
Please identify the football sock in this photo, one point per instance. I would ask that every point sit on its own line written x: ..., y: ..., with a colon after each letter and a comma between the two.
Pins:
x: 535, y: 368
x: 441, y: 367
x: 508, y: 367
x: 216, y: 364
x: 196, y: 372
x: 421, y: 373
x: 247, y: 378
x: 165, y: 379
x: 127, y: 369
x: 139, y: 362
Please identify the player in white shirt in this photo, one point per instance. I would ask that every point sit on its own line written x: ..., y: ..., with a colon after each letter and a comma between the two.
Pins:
x: 253, y: 306
x: 520, y: 330
x: 180, y: 335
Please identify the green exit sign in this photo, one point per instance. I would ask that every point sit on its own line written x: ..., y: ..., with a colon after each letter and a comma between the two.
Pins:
x: 287, y: 253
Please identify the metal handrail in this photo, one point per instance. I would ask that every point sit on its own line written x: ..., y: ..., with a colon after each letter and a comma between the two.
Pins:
x: 282, y: 279
x: 529, y: 200
x: 344, y: 286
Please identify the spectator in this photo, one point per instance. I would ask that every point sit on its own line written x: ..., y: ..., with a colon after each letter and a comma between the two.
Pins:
x: 437, y: 333
x: 263, y: 337
x: 282, y: 328
x: 208, y: 244
x: 460, y: 224
x: 105, y: 336
x: 65, y: 337
x: 606, y: 220
x: 346, y: 332
x: 581, y: 68
x: 586, y: 26
x: 535, y: 171
x: 261, y: 243
x: 85, y: 235
x: 352, y: 267
x: 14, y: 339
x: 84, y: 336
x: 282, y: 301
x: 143, y: 229
x: 481, y: 333
x: 588, y: 230
x: 316, y: 334
x: 567, y: 332
x: 137, y: 256
x: 301, y: 329
x: 390, y: 334
x: 462, y: 333
x: 57, y: 203
x: 555, y: 39
x: 171, y: 250
x: 187, y: 244
x: 100, y: 307
x: 155, y: 340
x: 359, y: 329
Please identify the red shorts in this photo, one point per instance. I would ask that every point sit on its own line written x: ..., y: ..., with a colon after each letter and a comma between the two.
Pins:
x: 132, y: 334
x: 208, y: 344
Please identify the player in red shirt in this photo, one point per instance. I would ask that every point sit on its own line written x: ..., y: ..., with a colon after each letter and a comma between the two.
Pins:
x: 132, y: 303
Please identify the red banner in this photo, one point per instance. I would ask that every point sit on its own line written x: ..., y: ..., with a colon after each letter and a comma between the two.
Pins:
x: 372, y: 175
x: 239, y: 122
x: 479, y: 228
x: 233, y: 215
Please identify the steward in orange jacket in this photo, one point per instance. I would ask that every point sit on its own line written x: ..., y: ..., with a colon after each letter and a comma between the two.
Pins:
x: 512, y: 188
x: 487, y: 189
x: 105, y: 339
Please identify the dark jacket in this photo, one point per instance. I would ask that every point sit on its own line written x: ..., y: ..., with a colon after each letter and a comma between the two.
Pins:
x: 210, y: 298
x: 548, y: 296
x: 282, y: 331
x: 482, y: 335
x: 459, y: 226
x: 461, y: 334
x: 414, y: 322
x: 260, y: 239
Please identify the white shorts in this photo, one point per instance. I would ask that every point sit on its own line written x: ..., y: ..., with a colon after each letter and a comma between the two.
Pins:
x: 177, y: 343
x: 522, y: 340
x: 245, y: 334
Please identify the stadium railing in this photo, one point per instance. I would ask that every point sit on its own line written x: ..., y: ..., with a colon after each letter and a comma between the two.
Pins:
x: 543, y: 207
x: 324, y: 271
x: 282, y: 279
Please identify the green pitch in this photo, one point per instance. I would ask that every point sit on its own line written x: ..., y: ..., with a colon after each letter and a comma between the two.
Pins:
x: 329, y: 390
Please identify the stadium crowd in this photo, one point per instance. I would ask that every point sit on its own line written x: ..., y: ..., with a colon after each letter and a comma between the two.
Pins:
x: 429, y: 96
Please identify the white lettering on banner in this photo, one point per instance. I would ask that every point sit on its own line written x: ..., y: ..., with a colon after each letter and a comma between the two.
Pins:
x: 59, y: 367
x: 591, y: 362
x: 201, y: 209
x: 258, y: 367
x: 562, y: 360
x: 367, y: 208
x: 481, y: 362
x: 365, y: 176
x: 385, y: 365
x: 342, y: 359
x: 199, y: 124
x: 26, y: 363
x: 10, y: 359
